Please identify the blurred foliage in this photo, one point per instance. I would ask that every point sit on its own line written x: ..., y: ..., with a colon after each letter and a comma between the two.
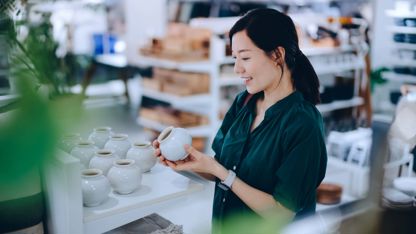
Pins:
x: 44, y: 109
x: 377, y: 78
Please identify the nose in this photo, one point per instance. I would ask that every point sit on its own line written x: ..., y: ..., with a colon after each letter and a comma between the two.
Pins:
x: 238, y: 69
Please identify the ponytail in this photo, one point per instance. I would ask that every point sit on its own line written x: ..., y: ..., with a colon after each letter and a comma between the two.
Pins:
x: 305, y: 79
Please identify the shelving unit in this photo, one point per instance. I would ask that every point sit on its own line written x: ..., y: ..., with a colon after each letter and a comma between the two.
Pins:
x: 160, y: 188
x: 208, y: 104
x: 392, y: 76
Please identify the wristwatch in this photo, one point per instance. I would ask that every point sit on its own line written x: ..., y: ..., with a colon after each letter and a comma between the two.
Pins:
x: 228, y: 182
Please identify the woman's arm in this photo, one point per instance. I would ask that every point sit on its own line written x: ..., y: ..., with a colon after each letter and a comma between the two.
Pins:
x: 262, y: 203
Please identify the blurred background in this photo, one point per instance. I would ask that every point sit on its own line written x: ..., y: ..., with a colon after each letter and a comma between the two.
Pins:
x: 137, y: 67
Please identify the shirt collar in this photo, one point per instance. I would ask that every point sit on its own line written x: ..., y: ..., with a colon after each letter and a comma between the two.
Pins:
x: 279, y: 106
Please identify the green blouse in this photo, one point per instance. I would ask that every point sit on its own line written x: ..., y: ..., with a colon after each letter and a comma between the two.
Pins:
x: 285, y: 155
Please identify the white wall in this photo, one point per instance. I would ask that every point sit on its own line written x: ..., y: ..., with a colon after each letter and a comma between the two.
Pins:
x: 144, y: 19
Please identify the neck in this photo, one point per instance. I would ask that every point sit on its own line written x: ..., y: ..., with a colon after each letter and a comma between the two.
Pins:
x: 278, y: 90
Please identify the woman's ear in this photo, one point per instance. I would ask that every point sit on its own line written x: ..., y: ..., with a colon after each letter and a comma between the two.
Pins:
x: 278, y: 55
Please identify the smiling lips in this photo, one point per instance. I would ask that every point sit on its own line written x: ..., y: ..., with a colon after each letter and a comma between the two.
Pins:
x: 246, y: 79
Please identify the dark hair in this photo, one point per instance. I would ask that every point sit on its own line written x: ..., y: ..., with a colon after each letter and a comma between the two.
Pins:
x: 270, y: 29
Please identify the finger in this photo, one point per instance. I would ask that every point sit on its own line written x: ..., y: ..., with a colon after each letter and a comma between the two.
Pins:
x: 157, y: 153
x: 192, y: 151
x: 172, y: 165
x: 163, y: 161
x: 155, y: 144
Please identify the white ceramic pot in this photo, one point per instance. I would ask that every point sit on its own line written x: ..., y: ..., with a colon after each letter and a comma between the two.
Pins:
x: 69, y: 141
x: 172, y: 141
x: 84, y: 151
x: 125, y: 176
x: 142, y: 152
x: 119, y: 143
x: 95, y: 187
x: 103, y: 160
x: 100, y: 136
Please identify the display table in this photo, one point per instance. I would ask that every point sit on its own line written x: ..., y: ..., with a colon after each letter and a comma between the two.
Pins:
x: 163, y: 191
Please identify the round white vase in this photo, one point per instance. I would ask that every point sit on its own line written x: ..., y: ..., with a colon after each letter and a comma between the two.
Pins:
x: 100, y: 136
x: 69, y: 141
x: 95, y: 187
x: 103, y: 160
x: 125, y: 176
x: 119, y: 143
x: 84, y: 151
x: 172, y: 141
x: 142, y: 152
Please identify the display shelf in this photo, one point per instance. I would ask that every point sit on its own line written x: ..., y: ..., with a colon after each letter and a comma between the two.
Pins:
x: 406, y: 46
x: 198, y: 66
x: 114, y: 60
x: 200, y: 131
x: 402, y: 62
x: 345, y: 199
x: 318, y: 51
x: 230, y: 80
x: 161, y: 184
x: 401, y: 14
x: 6, y: 99
x: 337, y: 105
x: 392, y: 76
x: 161, y: 187
x: 175, y: 100
x: 403, y: 29
x: 322, y: 69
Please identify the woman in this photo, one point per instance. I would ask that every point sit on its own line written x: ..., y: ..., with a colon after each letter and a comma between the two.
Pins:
x: 270, y: 153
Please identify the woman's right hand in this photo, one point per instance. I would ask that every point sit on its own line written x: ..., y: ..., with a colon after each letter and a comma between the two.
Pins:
x: 158, y: 153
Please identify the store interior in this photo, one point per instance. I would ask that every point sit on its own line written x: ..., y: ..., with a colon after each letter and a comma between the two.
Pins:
x: 83, y: 77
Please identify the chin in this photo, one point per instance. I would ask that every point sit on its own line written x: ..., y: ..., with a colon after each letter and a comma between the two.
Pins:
x: 252, y: 90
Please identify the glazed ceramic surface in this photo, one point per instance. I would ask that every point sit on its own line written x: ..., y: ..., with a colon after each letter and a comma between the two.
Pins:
x: 142, y: 153
x: 172, y: 141
x: 84, y: 151
x: 95, y: 187
x: 69, y: 141
x: 125, y: 176
x: 103, y: 160
x: 100, y: 136
x: 119, y: 143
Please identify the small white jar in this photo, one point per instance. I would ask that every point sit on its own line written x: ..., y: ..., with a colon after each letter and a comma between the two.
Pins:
x: 69, y: 141
x: 143, y: 153
x: 119, y: 143
x: 125, y: 176
x: 172, y: 141
x: 84, y: 151
x: 103, y: 160
x: 100, y: 136
x: 95, y: 187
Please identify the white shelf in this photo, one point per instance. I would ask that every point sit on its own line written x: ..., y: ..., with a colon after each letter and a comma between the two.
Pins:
x: 407, y: 46
x: 174, y: 100
x: 200, y: 131
x: 322, y: 69
x: 315, y: 51
x: 337, y: 105
x: 230, y: 80
x: 345, y: 198
x: 402, y: 62
x: 114, y: 60
x: 403, y: 29
x: 200, y: 66
x: 401, y: 14
x: 392, y: 76
x: 159, y: 185
x: 6, y: 99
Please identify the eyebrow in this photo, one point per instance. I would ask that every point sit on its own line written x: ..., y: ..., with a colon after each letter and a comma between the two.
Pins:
x: 242, y: 50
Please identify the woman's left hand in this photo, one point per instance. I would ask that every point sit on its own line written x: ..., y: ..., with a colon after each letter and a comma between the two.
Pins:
x: 196, y: 162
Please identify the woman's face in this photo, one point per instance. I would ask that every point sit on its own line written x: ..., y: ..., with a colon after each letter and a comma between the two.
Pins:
x: 258, y: 70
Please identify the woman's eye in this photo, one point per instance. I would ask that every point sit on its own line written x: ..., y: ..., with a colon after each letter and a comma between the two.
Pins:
x: 245, y: 59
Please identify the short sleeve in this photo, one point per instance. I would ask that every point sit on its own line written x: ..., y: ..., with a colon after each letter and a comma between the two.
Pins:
x: 227, y: 122
x: 303, y: 166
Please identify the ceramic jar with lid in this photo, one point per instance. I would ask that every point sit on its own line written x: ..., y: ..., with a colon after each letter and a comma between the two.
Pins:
x: 119, y: 143
x: 69, y: 141
x: 142, y: 152
x: 95, y: 187
x: 172, y: 141
x: 103, y: 160
x: 84, y: 151
x: 125, y: 176
x: 100, y: 136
